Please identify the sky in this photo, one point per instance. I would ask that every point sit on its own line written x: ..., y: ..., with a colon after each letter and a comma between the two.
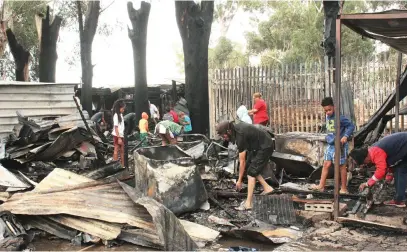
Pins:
x: 113, y: 56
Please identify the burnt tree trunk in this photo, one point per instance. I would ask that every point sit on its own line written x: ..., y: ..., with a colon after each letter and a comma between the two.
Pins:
x: 87, y: 31
x: 48, y: 47
x: 138, y: 37
x: 20, y: 55
x: 194, y: 24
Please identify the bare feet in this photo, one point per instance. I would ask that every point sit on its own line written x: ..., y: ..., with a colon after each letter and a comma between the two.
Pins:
x: 316, y: 188
x: 267, y: 191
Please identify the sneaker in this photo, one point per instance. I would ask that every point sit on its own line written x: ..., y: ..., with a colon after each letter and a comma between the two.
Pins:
x: 395, y: 203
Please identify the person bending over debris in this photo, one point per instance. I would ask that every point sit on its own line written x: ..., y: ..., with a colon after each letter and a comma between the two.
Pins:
x: 130, y: 122
x: 168, y: 131
x: 143, y: 126
x: 118, y: 130
x: 259, y: 110
x: 346, y: 131
x: 243, y: 114
x: 155, y: 114
x: 168, y: 116
x: 102, y: 120
x: 389, y: 155
x: 249, y: 138
x: 185, y: 121
x: 174, y: 114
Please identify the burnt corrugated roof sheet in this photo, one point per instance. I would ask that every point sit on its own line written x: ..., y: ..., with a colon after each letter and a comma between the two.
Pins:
x: 390, y: 27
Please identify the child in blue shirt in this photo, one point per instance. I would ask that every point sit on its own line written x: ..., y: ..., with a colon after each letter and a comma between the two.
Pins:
x: 186, y: 122
x: 346, y: 131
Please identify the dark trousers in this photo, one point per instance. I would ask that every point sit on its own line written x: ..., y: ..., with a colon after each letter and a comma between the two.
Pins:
x: 400, y: 181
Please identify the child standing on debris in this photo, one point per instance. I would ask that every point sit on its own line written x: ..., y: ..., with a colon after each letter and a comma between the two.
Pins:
x: 185, y: 121
x: 346, y: 131
x: 143, y: 126
x: 118, y: 130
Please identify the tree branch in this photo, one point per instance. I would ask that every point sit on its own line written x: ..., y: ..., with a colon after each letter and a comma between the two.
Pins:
x: 100, y: 12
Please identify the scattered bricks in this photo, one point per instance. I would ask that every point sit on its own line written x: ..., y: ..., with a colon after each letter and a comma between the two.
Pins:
x: 319, y: 207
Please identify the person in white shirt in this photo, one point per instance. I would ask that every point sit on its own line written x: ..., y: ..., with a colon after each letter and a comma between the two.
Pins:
x: 118, y: 130
x: 243, y: 114
x: 155, y: 114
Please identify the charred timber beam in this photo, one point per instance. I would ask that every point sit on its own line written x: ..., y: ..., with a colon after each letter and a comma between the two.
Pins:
x: 223, y: 194
x: 400, y: 55
x: 337, y: 103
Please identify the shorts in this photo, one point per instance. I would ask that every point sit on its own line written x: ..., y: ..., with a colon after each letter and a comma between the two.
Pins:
x: 142, y: 137
x: 330, y: 154
x: 116, y: 140
x: 258, y: 161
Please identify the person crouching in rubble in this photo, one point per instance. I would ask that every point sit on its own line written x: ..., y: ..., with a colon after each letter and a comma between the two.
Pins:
x: 389, y: 155
x: 143, y: 127
x: 186, y: 122
x: 168, y: 131
x: 118, y: 130
x: 101, y: 119
x: 346, y: 131
x: 243, y: 114
x: 249, y: 138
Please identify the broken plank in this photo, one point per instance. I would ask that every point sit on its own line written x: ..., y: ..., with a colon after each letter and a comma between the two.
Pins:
x: 365, y: 223
x: 311, y: 201
x: 49, y: 226
x: 103, y: 230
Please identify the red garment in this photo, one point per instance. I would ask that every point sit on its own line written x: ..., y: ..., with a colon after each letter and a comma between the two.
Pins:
x: 260, y: 116
x: 175, y: 116
x: 378, y: 158
x: 116, y: 140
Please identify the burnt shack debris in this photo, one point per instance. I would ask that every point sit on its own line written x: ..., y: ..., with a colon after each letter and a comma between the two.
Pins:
x: 178, y: 197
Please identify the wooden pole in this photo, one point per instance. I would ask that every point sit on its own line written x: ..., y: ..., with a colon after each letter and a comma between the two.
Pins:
x: 396, y: 129
x: 174, y: 92
x: 337, y: 116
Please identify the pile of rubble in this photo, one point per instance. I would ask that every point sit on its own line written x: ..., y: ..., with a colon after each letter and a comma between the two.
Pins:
x: 57, y: 177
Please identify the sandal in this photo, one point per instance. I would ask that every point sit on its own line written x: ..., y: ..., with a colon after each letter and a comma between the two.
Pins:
x: 343, y: 192
x: 267, y: 193
x: 242, y: 207
x: 316, y: 188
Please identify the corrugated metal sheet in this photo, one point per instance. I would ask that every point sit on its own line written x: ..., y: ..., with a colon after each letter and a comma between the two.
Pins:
x: 105, y: 202
x: 35, y: 100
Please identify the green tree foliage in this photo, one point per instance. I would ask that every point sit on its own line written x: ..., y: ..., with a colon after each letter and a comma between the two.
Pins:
x: 295, y: 31
x: 21, y: 19
x: 226, y: 55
